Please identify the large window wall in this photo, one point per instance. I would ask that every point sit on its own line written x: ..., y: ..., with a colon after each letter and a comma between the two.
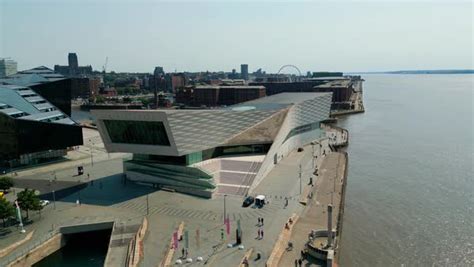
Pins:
x: 195, y: 157
x: 137, y: 132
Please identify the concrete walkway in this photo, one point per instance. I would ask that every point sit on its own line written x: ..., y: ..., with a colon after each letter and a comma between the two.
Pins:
x: 327, y: 191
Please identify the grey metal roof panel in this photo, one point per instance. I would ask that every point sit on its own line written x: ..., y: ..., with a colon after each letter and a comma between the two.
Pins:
x: 34, y: 99
x: 26, y: 92
x: 11, y: 111
x: 43, y: 115
x: 44, y: 106
x: 65, y: 121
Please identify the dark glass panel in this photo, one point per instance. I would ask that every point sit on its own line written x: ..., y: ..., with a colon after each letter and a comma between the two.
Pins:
x: 137, y: 132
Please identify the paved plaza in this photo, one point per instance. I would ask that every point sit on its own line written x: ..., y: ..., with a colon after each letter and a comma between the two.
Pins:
x: 106, y: 196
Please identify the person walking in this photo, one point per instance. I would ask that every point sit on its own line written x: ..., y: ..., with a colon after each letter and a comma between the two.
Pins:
x: 261, y: 220
x: 300, y: 262
x: 261, y: 234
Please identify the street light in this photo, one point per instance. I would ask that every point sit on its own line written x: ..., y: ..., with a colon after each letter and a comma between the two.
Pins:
x: 54, y: 200
x: 92, y: 160
x: 225, y: 215
x: 300, y: 179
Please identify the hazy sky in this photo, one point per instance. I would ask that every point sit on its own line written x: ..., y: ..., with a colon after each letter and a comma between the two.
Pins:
x: 220, y: 35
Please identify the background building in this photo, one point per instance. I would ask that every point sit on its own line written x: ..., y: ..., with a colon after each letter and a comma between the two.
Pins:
x: 73, y: 69
x: 7, y: 67
x: 244, y: 71
x: 218, y: 95
x: 202, y: 152
x: 341, y: 87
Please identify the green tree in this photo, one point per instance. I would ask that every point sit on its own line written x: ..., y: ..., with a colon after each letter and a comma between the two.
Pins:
x: 99, y: 99
x: 28, y: 200
x: 5, y: 183
x: 6, y: 210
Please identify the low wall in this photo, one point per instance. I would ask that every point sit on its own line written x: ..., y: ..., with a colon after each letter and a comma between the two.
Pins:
x: 47, y: 248
x: 341, y: 208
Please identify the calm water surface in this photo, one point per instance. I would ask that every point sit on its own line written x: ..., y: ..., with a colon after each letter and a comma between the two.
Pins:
x: 410, y: 187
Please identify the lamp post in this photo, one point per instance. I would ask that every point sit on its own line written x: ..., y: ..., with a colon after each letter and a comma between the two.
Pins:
x: 92, y: 159
x: 54, y: 200
x: 300, y: 179
x: 225, y: 215
x: 147, y: 205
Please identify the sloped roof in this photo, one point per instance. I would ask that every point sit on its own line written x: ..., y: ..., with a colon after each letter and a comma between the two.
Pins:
x: 33, y: 76
x: 197, y: 130
x: 22, y: 103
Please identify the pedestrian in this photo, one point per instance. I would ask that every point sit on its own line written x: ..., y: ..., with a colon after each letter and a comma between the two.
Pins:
x: 261, y: 220
x: 296, y: 263
x: 261, y: 234
x: 300, y: 262
x: 258, y: 233
x: 182, y: 253
x: 302, y: 254
x: 286, y: 202
x: 258, y: 219
x: 88, y: 176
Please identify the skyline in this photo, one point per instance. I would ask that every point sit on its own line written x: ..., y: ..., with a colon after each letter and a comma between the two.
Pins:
x: 198, y: 36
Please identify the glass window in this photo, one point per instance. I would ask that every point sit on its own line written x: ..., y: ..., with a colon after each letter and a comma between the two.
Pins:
x: 302, y: 129
x: 137, y: 132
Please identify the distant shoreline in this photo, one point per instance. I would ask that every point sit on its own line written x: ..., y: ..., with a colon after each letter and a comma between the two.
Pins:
x: 417, y: 72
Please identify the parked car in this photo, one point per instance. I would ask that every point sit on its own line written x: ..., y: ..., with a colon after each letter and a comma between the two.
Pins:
x: 248, y: 201
x: 260, y: 201
x: 44, y: 202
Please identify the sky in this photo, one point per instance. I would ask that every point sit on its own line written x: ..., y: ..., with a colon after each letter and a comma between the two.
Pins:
x: 348, y: 36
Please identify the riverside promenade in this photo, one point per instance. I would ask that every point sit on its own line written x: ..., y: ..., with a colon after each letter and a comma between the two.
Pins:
x: 327, y: 190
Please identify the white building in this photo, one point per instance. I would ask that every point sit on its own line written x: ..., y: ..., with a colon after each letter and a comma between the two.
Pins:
x: 202, y: 152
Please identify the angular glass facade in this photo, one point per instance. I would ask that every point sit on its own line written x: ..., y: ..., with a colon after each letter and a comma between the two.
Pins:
x: 303, y: 129
x: 137, y: 132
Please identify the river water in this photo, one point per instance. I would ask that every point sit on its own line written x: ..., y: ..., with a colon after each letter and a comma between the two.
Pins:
x: 409, y: 199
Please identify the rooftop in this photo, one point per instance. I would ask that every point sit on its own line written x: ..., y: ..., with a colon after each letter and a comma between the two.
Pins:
x: 33, y: 76
x: 23, y: 103
x: 229, y: 86
x: 337, y: 83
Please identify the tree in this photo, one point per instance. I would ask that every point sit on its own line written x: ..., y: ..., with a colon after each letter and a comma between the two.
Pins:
x: 6, y: 210
x: 5, y: 183
x: 28, y: 200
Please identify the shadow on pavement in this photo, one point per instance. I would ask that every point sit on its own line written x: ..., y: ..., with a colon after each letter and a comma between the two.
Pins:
x: 106, y: 191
